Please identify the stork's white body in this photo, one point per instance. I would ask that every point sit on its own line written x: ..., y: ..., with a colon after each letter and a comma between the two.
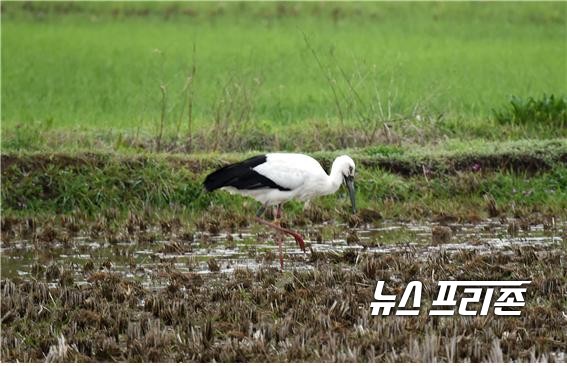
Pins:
x: 301, y: 174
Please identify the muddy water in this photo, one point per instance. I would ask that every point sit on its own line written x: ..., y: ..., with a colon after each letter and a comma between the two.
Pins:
x: 254, y: 248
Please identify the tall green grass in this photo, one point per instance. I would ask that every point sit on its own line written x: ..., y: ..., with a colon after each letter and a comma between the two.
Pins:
x: 100, y: 66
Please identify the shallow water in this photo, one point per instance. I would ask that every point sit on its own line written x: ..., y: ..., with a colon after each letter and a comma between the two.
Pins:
x: 254, y: 248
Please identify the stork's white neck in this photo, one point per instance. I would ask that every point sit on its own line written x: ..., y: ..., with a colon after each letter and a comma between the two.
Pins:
x: 335, y: 179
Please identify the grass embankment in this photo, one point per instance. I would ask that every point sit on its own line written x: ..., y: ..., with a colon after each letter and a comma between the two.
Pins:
x: 465, y: 181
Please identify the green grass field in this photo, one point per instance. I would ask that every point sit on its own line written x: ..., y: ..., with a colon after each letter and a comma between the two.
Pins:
x: 405, y: 82
x: 396, y: 85
x: 436, y: 68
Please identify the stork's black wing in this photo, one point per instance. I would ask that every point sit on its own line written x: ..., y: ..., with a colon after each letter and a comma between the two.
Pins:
x: 241, y: 176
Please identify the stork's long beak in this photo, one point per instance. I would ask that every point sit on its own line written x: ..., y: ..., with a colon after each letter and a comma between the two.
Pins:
x: 350, y: 185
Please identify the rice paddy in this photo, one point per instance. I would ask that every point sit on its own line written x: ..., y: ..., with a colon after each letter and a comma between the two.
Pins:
x: 165, y: 294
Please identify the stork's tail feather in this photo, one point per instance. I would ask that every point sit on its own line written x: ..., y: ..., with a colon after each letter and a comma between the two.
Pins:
x: 231, y: 174
x: 218, y: 179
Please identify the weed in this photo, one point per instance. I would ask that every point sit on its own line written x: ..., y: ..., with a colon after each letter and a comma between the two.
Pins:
x: 547, y: 111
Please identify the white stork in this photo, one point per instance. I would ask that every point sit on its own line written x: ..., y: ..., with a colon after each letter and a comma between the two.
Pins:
x: 275, y: 178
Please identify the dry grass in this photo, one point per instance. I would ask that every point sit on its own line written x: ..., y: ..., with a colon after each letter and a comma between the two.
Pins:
x: 316, y: 315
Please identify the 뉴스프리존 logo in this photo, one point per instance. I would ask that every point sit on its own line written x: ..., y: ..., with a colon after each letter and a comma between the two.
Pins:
x: 510, y: 294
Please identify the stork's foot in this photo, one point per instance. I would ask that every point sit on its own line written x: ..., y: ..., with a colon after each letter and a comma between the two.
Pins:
x: 298, y: 239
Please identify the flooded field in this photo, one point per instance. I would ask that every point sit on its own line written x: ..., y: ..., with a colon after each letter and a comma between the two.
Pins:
x: 206, y: 253
x: 162, y: 293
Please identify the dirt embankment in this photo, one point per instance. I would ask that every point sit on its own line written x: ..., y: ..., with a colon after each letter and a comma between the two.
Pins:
x: 528, y: 162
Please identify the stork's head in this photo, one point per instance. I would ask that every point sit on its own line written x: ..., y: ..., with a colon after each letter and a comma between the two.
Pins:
x: 346, y: 166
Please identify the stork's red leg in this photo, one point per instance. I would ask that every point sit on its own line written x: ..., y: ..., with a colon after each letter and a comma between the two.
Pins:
x: 280, y: 248
x: 277, y: 216
x: 296, y: 236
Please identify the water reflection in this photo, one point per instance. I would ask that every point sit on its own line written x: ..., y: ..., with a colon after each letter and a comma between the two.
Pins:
x: 146, y: 262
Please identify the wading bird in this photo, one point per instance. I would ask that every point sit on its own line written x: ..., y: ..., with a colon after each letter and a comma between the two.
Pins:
x: 276, y: 178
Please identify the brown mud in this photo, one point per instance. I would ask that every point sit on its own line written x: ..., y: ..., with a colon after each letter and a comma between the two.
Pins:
x: 146, y: 292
